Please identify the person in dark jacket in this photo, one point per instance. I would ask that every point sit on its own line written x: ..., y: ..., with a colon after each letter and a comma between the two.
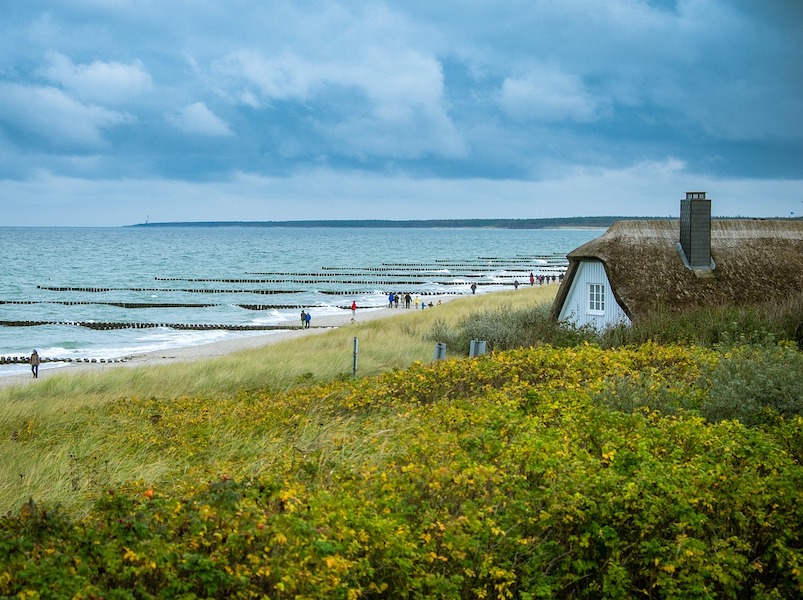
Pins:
x: 35, y: 360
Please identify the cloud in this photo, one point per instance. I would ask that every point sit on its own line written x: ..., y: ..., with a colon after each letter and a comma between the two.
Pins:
x: 272, y: 78
x: 404, y: 115
x: 102, y: 82
x: 383, y: 104
x: 198, y: 119
x: 52, y: 115
x: 546, y: 94
x: 526, y: 101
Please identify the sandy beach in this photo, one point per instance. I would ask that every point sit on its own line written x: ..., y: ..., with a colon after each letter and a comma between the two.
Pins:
x: 209, y: 351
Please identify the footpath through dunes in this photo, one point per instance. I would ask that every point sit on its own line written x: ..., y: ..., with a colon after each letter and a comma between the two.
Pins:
x: 386, y: 336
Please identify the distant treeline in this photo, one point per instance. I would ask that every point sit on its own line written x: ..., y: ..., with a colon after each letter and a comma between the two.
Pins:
x: 423, y: 224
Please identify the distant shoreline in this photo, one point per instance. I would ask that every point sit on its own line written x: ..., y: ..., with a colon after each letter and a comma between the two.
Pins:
x: 601, y: 222
x: 551, y: 223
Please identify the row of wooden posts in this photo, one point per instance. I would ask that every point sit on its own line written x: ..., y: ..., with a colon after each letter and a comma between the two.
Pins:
x: 181, y: 326
x: 21, y: 360
x: 96, y: 290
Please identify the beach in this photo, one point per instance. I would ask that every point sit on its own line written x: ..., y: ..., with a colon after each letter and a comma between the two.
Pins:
x: 104, y: 298
x: 209, y: 351
x: 109, y: 293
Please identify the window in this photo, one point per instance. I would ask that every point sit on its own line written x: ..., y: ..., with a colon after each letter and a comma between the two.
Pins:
x: 596, y: 298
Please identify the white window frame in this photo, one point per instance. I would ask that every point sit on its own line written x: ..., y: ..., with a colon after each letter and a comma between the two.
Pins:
x: 595, y: 299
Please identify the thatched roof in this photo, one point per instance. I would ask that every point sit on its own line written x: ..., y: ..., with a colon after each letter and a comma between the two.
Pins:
x: 756, y: 261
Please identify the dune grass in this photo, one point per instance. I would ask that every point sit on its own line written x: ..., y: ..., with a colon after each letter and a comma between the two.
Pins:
x: 64, y: 439
x: 385, y: 344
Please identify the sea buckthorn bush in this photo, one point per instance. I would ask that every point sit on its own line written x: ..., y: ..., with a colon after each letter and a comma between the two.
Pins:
x: 507, y: 327
x: 754, y: 384
x: 498, y: 477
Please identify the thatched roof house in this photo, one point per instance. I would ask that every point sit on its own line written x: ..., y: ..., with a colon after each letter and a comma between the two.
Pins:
x: 639, y: 267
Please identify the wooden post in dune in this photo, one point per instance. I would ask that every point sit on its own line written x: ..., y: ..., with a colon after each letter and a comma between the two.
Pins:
x: 356, y: 352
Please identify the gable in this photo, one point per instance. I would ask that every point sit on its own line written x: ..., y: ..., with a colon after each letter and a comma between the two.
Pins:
x: 590, y: 299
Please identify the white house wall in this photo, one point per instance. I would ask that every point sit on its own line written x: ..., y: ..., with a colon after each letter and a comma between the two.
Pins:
x: 576, y: 307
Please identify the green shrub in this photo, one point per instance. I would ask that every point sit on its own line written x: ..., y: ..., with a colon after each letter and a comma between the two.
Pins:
x: 754, y: 384
x: 507, y: 328
x: 489, y: 478
x: 645, y: 393
x: 709, y: 326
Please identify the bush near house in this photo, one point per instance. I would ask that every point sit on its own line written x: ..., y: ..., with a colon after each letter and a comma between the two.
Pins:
x: 508, y: 327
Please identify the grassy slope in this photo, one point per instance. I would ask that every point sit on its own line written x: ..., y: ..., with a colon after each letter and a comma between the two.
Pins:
x: 496, y: 477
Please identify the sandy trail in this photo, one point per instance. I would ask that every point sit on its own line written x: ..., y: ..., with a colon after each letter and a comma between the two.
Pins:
x: 208, y: 351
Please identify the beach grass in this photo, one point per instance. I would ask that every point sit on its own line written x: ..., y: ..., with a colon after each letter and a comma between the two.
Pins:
x: 384, y: 344
x: 53, y: 433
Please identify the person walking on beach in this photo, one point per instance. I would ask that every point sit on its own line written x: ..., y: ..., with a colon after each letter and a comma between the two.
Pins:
x: 407, y: 300
x: 353, y: 309
x: 396, y: 299
x: 532, y: 278
x: 516, y: 284
x: 303, y: 319
x: 307, y: 319
x: 35, y: 364
x: 473, y: 288
x: 390, y: 300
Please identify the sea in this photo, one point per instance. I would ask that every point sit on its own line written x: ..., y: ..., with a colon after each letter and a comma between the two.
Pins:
x: 105, y: 294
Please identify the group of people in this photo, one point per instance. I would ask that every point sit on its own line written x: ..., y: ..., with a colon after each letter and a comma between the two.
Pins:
x: 409, y: 301
x: 394, y: 299
x: 406, y: 300
x: 542, y: 279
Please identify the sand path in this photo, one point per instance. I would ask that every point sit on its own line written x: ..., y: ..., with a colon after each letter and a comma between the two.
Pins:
x: 208, y: 351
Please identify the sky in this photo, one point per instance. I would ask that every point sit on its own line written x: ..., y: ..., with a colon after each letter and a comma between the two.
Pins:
x: 116, y: 112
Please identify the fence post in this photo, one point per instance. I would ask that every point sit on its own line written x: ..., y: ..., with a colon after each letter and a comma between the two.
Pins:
x: 477, y: 348
x: 356, y: 352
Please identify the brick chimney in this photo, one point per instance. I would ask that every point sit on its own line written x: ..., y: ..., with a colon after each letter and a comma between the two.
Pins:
x: 695, y: 230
